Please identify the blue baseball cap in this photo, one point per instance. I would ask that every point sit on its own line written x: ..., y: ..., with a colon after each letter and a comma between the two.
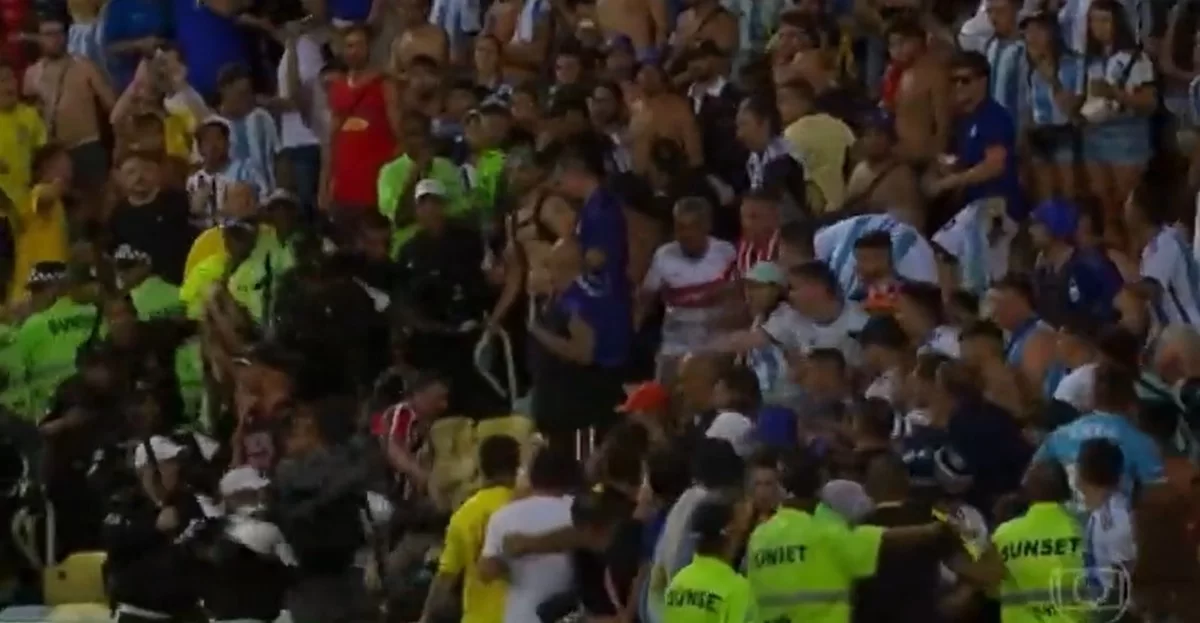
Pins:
x: 1058, y: 216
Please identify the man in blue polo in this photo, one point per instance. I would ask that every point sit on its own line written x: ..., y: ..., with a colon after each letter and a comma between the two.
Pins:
x: 601, y: 229
x: 983, y: 161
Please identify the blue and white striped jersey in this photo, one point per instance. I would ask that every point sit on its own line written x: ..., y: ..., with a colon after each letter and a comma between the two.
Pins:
x: 1039, y: 96
x: 980, y: 240
x: 1008, y: 61
x: 255, y: 139
x: 912, y: 255
x: 1169, y: 261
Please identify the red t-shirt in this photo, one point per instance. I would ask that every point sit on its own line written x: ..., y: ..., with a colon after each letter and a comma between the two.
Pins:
x: 363, y: 143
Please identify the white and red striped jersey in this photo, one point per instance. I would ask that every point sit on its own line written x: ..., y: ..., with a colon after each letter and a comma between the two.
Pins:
x: 691, y: 289
x: 750, y: 253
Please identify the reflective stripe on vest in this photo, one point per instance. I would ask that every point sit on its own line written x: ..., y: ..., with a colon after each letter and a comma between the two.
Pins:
x: 797, y: 598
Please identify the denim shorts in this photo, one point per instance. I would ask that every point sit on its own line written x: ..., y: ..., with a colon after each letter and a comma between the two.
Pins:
x: 1118, y: 142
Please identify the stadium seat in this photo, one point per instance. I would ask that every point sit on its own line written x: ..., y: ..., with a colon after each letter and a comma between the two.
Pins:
x: 452, y: 441
x: 79, y: 579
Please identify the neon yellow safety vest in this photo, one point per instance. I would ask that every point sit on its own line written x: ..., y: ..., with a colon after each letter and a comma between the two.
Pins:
x: 802, y: 568
x: 708, y: 591
x: 1043, y: 559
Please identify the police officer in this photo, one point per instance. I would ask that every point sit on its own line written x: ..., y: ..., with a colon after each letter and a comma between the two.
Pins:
x: 802, y: 568
x: 708, y: 590
x: 151, y: 576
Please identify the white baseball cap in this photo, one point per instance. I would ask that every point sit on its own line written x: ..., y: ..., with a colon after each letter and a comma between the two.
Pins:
x: 243, y: 478
x: 164, y: 450
x: 429, y: 187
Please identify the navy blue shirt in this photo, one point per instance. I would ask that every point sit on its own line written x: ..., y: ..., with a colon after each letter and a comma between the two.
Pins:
x: 1086, y: 284
x: 987, y: 126
x: 608, y: 317
x: 602, y: 226
x: 990, y: 441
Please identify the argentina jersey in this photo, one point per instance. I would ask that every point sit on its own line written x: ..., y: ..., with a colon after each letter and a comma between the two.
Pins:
x: 979, y: 238
x: 1007, y: 60
x: 912, y: 255
x: 1168, y: 260
x: 1039, y: 94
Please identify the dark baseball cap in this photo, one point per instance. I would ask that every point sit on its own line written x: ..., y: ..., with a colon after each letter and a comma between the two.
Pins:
x: 711, y: 518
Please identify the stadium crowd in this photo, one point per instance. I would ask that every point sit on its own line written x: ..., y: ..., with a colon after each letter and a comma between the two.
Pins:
x: 667, y: 311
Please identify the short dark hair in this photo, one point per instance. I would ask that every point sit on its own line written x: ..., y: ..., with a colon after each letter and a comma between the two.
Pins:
x: 907, y: 25
x: 499, y: 457
x: 983, y: 329
x: 975, y: 62
x: 1154, y: 197
x: 554, y: 468
x: 742, y: 383
x: 763, y: 106
x: 586, y: 153
x: 667, y: 473
x: 1101, y: 463
x: 874, y: 240
x: 232, y: 73
x: 1120, y: 346
x: 715, y: 464
x: 1017, y: 284
x: 817, y: 271
x: 966, y: 300
x: 1115, y: 388
x: 801, y: 475
x: 926, y: 296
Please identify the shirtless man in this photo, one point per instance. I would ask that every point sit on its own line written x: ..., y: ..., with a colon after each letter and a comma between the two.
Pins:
x: 645, y: 22
x: 881, y: 182
x: 417, y: 37
x: 661, y: 113
x: 525, y: 51
x: 73, y: 95
x: 704, y: 19
x: 501, y: 19
x: 921, y: 100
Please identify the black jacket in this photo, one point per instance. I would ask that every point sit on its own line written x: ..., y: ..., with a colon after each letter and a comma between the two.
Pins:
x: 146, y: 568
x: 724, y: 155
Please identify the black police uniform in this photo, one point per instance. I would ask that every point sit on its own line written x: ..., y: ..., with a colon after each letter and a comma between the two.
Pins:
x: 150, y: 574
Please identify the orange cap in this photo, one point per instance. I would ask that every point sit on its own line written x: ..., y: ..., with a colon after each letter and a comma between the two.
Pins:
x: 648, y: 397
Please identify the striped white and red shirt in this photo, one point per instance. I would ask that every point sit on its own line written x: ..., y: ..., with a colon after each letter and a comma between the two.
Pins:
x: 750, y: 253
x: 691, y: 288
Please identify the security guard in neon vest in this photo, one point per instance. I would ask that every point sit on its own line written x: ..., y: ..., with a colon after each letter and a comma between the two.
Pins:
x: 802, y: 569
x: 708, y: 590
x: 1044, y: 578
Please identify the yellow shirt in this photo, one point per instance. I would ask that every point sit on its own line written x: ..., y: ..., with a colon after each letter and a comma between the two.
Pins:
x: 41, y: 237
x: 177, y: 133
x: 823, y: 142
x: 21, y: 132
x: 483, y: 602
x: 210, y: 242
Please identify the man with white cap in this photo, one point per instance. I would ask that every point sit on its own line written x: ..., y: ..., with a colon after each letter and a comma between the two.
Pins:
x: 247, y: 573
x: 149, y: 576
x: 444, y: 291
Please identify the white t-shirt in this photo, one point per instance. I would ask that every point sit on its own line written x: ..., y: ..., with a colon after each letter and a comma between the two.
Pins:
x: 795, y: 332
x: 1110, y: 537
x: 531, y: 579
x: 1168, y: 261
x: 735, y: 428
x: 1077, y: 387
x: 687, y: 286
x: 293, y: 132
x: 912, y: 256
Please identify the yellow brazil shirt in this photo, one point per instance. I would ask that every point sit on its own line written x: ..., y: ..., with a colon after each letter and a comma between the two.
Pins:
x: 824, y: 142
x: 21, y: 132
x: 483, y: 602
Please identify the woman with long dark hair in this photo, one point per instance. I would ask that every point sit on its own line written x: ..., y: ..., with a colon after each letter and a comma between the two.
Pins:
x: 1119, y: 99
x: 1053, y: 93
